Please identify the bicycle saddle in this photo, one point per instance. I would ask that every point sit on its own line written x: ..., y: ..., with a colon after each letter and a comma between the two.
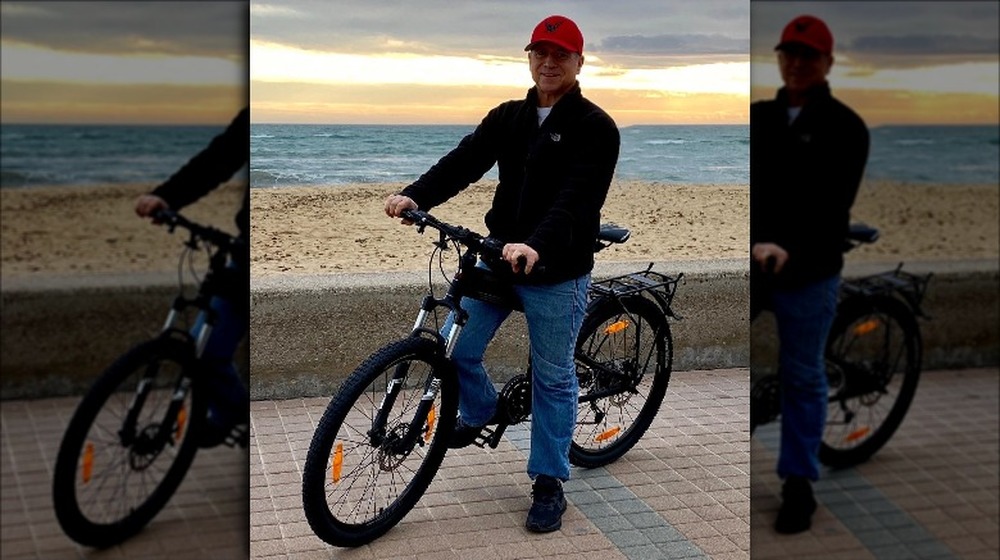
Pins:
x: 862, y: 233
x: 613, y: 233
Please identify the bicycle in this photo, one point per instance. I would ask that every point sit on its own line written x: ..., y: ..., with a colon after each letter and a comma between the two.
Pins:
x: 384, y: 434
x: 134, y: 435
x: 873, y: 362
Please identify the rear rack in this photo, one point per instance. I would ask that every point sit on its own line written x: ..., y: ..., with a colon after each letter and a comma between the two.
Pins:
x: 910, y: 287
x: 657, y: 285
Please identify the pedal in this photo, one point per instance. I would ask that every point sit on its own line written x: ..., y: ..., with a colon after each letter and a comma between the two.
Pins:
x: 490, y: 436
x: 495, y: 435
x: 238, y: 435
x: 484, y: 438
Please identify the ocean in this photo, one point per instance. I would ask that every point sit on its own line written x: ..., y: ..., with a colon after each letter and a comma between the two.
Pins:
x: 288, y: 155
x: 96, y: 154
x: 283, y: 155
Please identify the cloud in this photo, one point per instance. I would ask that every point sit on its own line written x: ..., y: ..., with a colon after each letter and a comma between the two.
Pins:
x: 912, y: 51
x: 685, y: 44
x: 469, y: 29
x: 212, y: 29
x: 889, y: 35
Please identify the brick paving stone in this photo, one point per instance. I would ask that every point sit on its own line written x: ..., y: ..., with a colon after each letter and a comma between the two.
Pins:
x: 206, y: 516
x: 931, y: 492
x: 477, y: 502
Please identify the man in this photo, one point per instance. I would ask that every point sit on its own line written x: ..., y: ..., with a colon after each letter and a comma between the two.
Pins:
x: 807, y: 156
x: 556, y: 152
x: 229, y: 400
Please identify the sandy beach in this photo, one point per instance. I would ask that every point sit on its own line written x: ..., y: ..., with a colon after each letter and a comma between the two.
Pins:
x: 339, y: 229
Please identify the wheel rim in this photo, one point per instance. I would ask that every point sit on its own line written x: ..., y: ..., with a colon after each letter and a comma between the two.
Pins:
x: 119, y: 471
x: 867, y: 365
x: 625, y: 345
x: 367, y: 473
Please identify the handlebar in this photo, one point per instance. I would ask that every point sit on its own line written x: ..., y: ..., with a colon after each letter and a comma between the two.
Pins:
x: 214, y: 236
x: 465, y: 236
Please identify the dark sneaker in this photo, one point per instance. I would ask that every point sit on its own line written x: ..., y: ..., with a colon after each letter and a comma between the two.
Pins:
x: 463, y: 435
x: 797, y: 506
x: 547, y: 505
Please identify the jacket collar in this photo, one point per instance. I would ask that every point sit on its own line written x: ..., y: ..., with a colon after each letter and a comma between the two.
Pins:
x: 817, y: 93
x: 574, y: 93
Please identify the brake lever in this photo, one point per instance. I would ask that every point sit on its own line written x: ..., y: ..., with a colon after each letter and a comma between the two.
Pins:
x: 442, y: 242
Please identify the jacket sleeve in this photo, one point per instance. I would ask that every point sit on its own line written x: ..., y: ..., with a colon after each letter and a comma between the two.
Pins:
x: 577, y: 206
x: 461, y: 167
x: 214, y: 165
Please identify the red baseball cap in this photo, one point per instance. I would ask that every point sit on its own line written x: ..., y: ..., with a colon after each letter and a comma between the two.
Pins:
x: 559, y: 30
x: 809, y: 31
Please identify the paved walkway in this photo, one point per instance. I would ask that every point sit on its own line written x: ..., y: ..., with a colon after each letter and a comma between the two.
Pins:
x: 206, y: 518
x: 682, y: 492
x: 932, y: 492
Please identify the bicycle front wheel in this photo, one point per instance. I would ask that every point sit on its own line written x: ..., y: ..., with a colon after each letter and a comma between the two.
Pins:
x: 624, y: 355
x: 129, y: 444
x: 873, y: 364
x: 379, y: 443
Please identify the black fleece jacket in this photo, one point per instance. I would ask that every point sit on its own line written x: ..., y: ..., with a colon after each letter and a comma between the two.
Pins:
x: 804, y: 177
x: 553, y: 179
x: 216, y: 164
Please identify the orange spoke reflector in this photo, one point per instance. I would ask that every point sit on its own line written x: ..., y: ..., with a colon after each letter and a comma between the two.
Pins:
x: 338, y: 462
x: 617, y: 326
x: 866, y: 327
x: 857, y: 434
x: 181, y: 419
x: 88, y: 462
x: 608, y: 434
x: 431, y: 416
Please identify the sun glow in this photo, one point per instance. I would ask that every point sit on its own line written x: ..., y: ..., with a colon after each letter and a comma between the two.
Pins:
x: 20, y: 62
x: 271, y: 62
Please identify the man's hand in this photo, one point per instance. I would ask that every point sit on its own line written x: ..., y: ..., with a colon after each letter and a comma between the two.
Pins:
x: 514, y: 252
x: 396, y: 204
x: 770, y: 256
x: 148, y: 204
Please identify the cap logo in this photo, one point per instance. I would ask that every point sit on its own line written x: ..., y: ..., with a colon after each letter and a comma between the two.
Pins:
x: 552, y: 27
x: 802, y: 26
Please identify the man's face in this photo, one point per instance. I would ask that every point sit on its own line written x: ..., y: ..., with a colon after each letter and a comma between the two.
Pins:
x: 553, y: 68
x: 803, y: 67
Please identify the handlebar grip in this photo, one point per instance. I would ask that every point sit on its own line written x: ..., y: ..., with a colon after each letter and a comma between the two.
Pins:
x: 165, y: 216
x: 413, y: 215
x: 769, y: 264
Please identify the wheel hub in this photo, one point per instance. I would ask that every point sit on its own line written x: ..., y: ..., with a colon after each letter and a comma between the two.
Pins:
x: 390, y: 453
x: 146, y: 448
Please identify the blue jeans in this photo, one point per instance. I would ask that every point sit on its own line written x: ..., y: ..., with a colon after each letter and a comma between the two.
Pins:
x: 554, y: 314
x: 804, y: 318
x: 229, y: 399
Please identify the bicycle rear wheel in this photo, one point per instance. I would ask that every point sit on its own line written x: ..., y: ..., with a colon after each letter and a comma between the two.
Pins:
x: 129, y: 444
x: 624, y: 355
x: 361, y: 474
x: 873, y: 364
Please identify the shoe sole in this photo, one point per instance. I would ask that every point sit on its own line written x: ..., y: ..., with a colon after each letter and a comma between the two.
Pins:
x: 548, y: 529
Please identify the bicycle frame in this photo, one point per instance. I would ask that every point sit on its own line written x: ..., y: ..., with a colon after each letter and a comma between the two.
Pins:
x: 206, y: 317
x: 471, y: 281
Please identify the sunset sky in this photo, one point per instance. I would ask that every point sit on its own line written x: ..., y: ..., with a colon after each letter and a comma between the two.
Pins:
x: 123, y: 62
x: 441, y: 61
x: 896, y: 62
x: 354, y: 61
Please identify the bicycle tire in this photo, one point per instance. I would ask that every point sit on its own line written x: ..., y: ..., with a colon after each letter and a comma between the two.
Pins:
x: 628, y: 335
x: 93, y: 458
x: 340, y: 512
x: 873, y: 364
